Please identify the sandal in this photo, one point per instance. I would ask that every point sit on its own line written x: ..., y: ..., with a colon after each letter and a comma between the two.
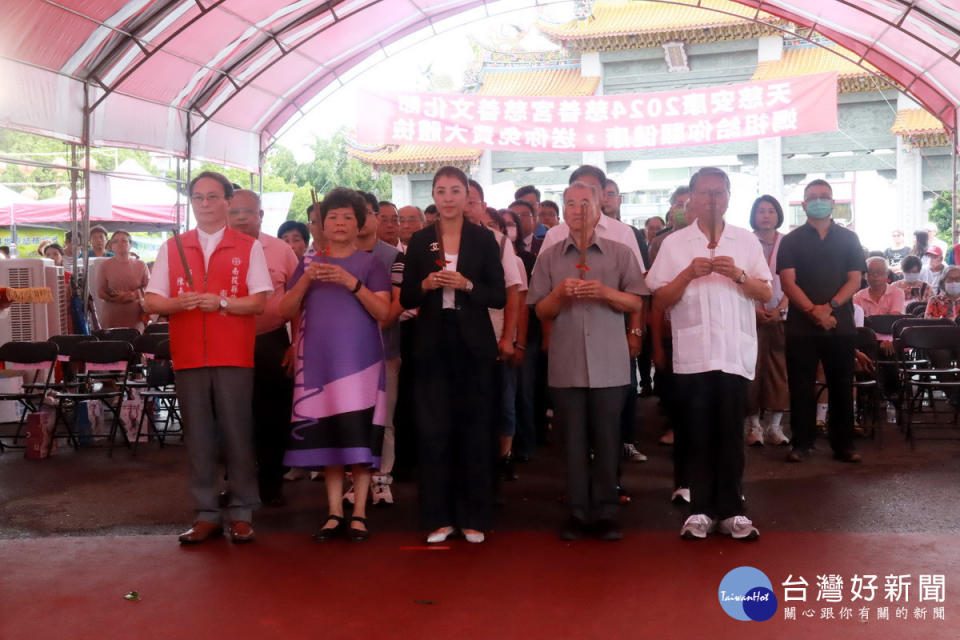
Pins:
x: 358, y: 535
x: 330, y: 533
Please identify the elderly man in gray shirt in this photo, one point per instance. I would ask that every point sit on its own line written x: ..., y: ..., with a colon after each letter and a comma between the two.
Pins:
x: 583, y: 286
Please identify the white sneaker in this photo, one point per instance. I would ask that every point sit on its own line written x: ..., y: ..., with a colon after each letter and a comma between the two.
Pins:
x: 316, y: 475
x: 631, y: 453
x: 381, y: 490
x: 755, y: 436
x: 697, y: 527
x: 776, y: 436
x: 681, y: 495
x: 739, y: 528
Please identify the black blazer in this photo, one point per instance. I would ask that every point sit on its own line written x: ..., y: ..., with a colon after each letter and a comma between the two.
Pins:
x: 478, y: 261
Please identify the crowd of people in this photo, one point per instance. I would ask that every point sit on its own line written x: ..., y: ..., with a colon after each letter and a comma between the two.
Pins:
x: 380, y: 339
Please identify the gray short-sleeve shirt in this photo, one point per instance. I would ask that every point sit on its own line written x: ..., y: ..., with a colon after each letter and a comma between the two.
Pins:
x: 588, y: 343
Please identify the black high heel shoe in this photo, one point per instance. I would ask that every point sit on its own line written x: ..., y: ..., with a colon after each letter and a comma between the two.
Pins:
x: 330, y: 533
x: 358, y: 535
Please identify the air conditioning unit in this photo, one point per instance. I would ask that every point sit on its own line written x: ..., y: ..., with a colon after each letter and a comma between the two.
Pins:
x: 33, y: 322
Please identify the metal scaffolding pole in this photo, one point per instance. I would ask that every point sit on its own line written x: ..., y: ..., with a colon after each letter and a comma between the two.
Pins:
x: 85, y: 235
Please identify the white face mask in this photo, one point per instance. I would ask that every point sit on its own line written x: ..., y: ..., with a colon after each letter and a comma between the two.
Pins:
x: 512, y: 233
x: 911, y: 277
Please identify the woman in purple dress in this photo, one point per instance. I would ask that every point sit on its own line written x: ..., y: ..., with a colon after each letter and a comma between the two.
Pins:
x: 336, y: 297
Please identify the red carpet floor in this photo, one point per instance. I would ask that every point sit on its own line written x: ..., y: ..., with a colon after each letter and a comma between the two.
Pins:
x: 517, y: 585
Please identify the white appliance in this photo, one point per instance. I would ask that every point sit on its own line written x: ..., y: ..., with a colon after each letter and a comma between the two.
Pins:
x: 33, y: 322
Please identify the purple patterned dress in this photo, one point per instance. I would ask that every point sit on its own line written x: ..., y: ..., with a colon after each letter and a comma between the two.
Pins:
x: 339, y: 394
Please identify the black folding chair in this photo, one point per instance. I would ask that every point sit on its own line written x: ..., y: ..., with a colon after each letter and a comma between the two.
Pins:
x: 118, y: 333
x: 160, y: 395
x: 41, y: 359
x: 916, y: 308
x: 157, y: 327
x: 106, y: 356
x: 868, y: 386
x: 941, y: 345
x: 883, y: 323
x: 66, y: 343
x: 907, y: 359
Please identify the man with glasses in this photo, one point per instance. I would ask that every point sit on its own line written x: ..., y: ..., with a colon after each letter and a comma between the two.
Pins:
x: 211, y: 283
x: 389, y: 224
x: 272, y: 387
x: 411, y: 220
x: 709, y: 276
x: 820, y: 265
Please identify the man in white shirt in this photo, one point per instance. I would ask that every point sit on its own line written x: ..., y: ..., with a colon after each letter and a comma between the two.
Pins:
x: 211, y: 286
x: 709, y: 276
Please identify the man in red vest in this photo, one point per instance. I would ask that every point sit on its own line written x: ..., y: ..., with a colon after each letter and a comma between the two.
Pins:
x: 211, y: 290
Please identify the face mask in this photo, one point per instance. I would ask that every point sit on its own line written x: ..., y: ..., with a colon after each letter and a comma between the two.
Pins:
x: 953, y: 288
x: 911, y: 277
x: 512, y: 233
x: 819, y: 209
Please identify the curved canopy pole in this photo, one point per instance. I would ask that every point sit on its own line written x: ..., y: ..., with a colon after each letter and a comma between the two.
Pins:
x: 758, y: 7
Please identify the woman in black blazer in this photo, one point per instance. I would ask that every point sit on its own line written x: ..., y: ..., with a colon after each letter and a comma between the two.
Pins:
x: 452, y: 272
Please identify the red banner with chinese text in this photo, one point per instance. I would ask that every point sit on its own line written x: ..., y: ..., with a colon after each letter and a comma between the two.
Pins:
x: 711, y: 115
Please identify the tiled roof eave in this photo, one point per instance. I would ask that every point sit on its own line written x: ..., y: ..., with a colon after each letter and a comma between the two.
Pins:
x: 690, y: 35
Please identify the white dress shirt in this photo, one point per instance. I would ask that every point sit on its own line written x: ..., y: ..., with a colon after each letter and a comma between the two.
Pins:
x: 258, y: 274
x: 714, y: 324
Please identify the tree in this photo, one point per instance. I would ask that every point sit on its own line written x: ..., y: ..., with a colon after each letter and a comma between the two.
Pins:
x: 332, y: 167
x: 941, y: 213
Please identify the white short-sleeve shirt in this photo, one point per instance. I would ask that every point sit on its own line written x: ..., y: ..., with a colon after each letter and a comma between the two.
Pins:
x: 607, y: 227
x: 258, y: 274
x: 714, y: 324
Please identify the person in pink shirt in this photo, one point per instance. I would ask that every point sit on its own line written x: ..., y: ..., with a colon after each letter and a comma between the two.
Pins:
x: 272, y: 387
x: 879, y: 298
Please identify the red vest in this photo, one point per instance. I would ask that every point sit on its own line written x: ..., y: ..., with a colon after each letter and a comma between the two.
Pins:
x: 211, y: 338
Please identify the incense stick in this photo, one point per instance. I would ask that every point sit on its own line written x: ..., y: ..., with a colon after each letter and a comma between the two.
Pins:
x: 323, y: 246
x: 183, y: 258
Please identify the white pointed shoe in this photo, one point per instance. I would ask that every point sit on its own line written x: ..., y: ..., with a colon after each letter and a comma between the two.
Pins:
x: 440, y: 535
x: 755, y: 436
x: 475, y: 537
x: 680, y: 496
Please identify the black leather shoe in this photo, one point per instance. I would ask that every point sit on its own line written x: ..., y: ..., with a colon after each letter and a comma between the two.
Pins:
x: 608, y: 530
x: 358, y: 535
x: 573, y: 529
x: 847, y: 456
x: 330, y: 533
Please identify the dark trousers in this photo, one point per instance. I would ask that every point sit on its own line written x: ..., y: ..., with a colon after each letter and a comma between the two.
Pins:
x: 588, y: 421
x: 404, y: 422
x: 644, y: 362
x: 531, y: 411
x: 836, y: 354
x: 628, y: 417
x: 455, y: 405
x: 714, y: 407
x: 212, y: 403
x: 666, y: 389
x: 272, y: 404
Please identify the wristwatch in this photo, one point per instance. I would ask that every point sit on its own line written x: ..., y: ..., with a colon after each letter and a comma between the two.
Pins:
x: 635, y: 332
x: 834, y: 304
x: 468, y: 287
x: 223, y: 303
x: 742, y: 278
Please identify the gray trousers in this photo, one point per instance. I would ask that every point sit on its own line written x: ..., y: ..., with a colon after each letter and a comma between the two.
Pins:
x: 216, y: 406
x: 589, y: 420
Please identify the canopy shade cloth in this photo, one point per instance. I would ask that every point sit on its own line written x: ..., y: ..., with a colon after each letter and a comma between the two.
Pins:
x: 219, y: 79
x: 137, y: 203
